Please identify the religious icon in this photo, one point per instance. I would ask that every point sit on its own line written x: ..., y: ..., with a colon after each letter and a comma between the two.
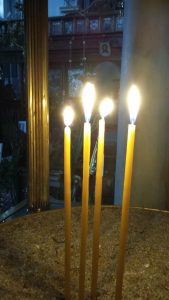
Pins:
x: 74, y: 82
x: 68, y: 27
x: 94, y: 25
x: 105, y: 49
x: 108, y: 24
x: 119, y: 23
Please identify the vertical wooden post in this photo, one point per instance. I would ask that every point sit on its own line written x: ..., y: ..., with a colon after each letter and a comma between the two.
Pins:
x: 36, y: 26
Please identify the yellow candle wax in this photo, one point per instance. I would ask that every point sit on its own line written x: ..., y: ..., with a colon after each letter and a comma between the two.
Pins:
x: 85, y: 199
x: 125, y: 210
x: 67, y: 209
x: 97, y: 208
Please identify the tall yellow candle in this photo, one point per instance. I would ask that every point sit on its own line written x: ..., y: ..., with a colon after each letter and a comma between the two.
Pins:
x: 84, y: 216
x: 125, y: 210
x: 134, y: 101
x: 97, y: 208
x: 106, y: 107
x: 68, y: 118
x: 88, y: 102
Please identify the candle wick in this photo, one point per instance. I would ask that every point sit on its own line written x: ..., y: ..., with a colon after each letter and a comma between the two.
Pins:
x: 132, y: 121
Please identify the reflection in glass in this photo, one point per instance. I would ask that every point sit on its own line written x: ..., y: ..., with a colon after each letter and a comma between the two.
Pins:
x: 94, y: 25
x: 70, y: 3
x: 80, y: 26
x: 119, y: 23
x: 68, y: 27
x: 54, y: 82
x: 1, y: 8
x: 108, y: 24
x: 74, y: 81
x: 56, y: 27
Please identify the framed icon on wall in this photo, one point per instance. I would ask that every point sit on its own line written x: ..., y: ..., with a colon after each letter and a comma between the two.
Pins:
x: 104, y: 48
x: 68, y: 27
x: 74, y: 81
x: 94, y: 25
x: 108, y: 24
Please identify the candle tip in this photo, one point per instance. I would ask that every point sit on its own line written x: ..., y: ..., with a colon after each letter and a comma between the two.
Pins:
x: 68, y: 115
x: 88, y: 99
x: 106, y: 107
x: 133, y: 99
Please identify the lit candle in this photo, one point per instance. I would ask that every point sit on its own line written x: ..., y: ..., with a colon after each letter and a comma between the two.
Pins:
x: 106, y: 107
x: 133, y: 103
x: 68, y: 118
x: 88, y: 99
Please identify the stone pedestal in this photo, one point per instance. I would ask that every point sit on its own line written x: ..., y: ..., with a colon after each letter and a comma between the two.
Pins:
x: 145, y: 62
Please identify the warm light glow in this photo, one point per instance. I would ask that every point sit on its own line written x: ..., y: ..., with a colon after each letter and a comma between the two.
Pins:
x: 133, y: 100
x: 88, y: 99
x: 68, y: 115
x: 44, y: 102
x: 106, y: 107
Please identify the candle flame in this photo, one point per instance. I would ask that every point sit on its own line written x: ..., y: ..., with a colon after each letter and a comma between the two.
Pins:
x: 88, y: 99
x: 68, y: 115
x: 133, y: 99
x: 106, y: 107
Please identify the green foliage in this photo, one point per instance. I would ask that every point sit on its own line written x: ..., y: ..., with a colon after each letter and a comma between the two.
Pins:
x: 12, y: 31
x: 13, y: 35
